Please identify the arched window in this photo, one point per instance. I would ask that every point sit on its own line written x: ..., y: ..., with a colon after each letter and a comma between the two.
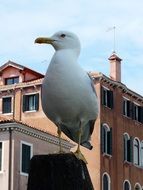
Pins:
x: 106, y: 182
x: 106, y: 139
x: 136, y: 152
x: 127, y: 148
x: 141, y: 155
x: 137, y: 186
x: 127, y: 185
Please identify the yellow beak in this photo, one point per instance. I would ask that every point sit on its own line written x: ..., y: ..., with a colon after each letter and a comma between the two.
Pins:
x: 43, y: 40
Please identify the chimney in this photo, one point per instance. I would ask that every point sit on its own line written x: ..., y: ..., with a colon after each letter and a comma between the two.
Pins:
x: 115, y: 67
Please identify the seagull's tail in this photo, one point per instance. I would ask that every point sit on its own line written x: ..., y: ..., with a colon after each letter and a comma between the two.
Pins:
x: 87, y: 145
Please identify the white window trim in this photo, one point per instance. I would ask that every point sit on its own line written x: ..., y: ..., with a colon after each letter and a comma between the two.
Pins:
x: 138, y: 185
x: 109, y: 180
x: 28, y: 94
x: 31, y: 154
x: 31, y: 111
x: 106, y: 88
x: 1, y: 171
x: 124, y: 97
x: 141, y: 153
x: 106, y: 100
x: 127, y: 135
x: 129, y: 184
x: 108, y: 129
x: 136, y: 103
x: 128, y: 138
x: 136, y: 138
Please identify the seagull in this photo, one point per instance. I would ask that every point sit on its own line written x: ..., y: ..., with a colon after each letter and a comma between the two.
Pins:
x: 68, y: 95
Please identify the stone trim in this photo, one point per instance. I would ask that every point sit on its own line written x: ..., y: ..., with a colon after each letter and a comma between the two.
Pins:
x: 35, y: 133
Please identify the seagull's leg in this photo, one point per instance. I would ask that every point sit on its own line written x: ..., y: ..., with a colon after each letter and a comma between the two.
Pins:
x: 78, y: 153
x: 59, y: 135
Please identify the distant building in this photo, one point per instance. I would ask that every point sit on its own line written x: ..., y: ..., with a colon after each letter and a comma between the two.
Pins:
x: 116, y: 161
x: 118, y: 136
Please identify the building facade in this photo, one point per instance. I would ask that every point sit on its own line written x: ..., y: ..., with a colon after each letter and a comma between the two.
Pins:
x: 120, y: 132
x: 18, y: 143
x: 116, y: 160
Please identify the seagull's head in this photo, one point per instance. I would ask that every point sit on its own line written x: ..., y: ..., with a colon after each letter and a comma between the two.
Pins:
x: 61, y: 40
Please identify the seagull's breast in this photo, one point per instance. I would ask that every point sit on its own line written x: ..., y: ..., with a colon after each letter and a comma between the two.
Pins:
x: 66, y: 91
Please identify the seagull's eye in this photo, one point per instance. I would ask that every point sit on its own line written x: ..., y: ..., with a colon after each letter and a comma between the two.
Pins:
x: 63, y: 35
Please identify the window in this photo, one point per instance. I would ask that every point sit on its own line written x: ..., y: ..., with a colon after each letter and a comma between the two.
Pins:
x: 12, y: 80
x: 127, y: 186
x: 127, y: 108
x: 31, y: 102
x: 137, y: 187
x: 127, y: 148
x: 106, y: 182
x: 107, y: 97
x: 138, y: 113
x: 26, y: 154
x: 136, y: 152
x: 106, y: 139
x: 0, y: 156
x: 6, y: 105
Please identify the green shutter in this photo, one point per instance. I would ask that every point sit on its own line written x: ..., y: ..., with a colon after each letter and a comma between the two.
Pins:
x: 131, y: 149
x: 102, y: 95
x: 128, y: 150
x: 0, y: 156
x: 24, y: 103
x: 124, y: 102
x: 141, y: 114
x: 133, y: 110
x: 26, y: 155
x: 110, y: 99
x: 102, y: 139
x: 37, y: 101
x: 130, y: 109
x: 125, y: 145
x: 109, y: 142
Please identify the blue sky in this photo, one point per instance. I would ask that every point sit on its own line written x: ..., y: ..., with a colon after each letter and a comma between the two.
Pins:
x: 23, y: 21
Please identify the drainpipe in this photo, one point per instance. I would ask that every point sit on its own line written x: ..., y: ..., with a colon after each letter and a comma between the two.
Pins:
x: 10, y: 159
x: 13, y: 116
x: 20, y: 113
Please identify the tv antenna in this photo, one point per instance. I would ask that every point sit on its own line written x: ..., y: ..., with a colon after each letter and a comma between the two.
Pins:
x: 114, y: 37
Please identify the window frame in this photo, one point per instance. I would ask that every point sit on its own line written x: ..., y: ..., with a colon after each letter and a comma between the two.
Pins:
x: 137, y: 184
x: 138, y: 151
x: 106, y: 139
x: 31, y: 154
x: 141, y: 153
x: 2, y: 157
x: 11, y: 78
x: 26, y: 102
x: 128, y: 183
x: 127, y: 107
x: 137, y: 112
x: 109, y: 181
x: 11, y: 107
x: 107, y: 97
x: 127, y: 148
